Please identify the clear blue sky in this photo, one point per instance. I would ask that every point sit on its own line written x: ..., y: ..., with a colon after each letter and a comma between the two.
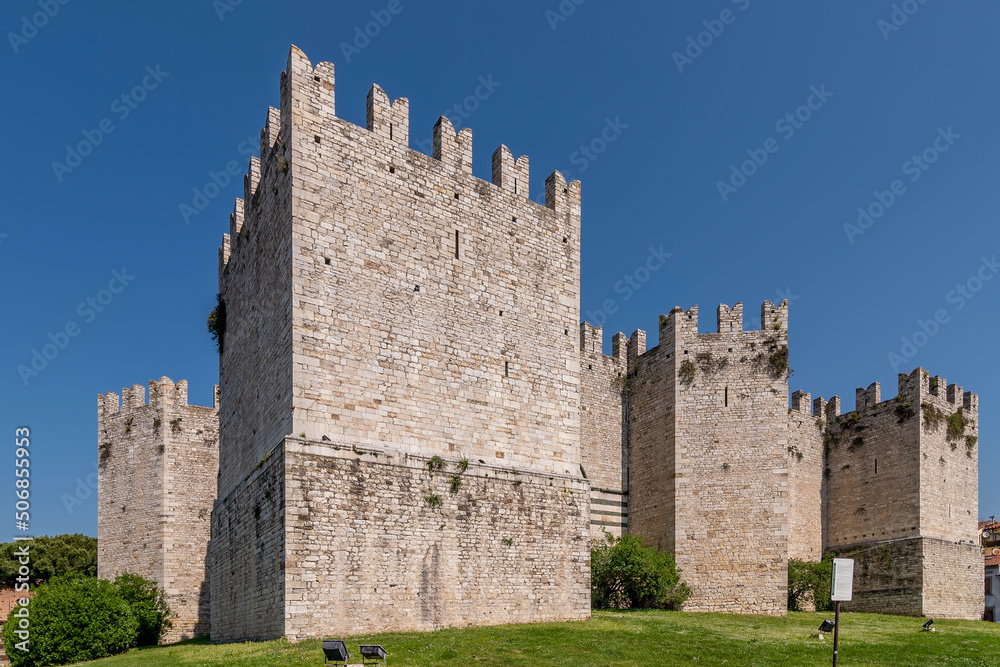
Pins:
x: 652, y: 179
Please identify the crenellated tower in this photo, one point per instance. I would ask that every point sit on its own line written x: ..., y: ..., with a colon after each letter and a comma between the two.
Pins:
x: 707, y: 439
x: 157, y: 466
x: 901, y: 492
x: 392, y: 320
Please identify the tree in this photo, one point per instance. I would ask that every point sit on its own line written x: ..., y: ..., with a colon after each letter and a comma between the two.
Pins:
x: 626, y: 573
x: 51, y: 557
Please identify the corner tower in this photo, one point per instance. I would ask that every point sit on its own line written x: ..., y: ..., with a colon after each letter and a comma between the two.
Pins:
x: 400, y: 428
x: 156, y: 474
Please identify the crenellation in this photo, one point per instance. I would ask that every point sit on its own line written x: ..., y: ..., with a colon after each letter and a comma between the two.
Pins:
x: 802, y: 402
x: 774, y: 318
x: 270, y: 134
x: 385, y: 120
x: 819, y: 408
x: 509, y: 174
x: 954, y: 393
x: 936, y: 385
x: 251, y: 181
x: 236, y: 218
x: 591, y: 338
x: 865, y: 399
x: 729, y: 321
x: 451, y: 149
x: 561, y: 197
x: 833, y: 409
x: 970, y: 402
x: 636, y: 347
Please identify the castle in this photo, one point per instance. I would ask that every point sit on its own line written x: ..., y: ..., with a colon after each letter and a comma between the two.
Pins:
x: 412, y: 432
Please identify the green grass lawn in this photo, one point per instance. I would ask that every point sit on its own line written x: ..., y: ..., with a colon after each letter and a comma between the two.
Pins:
x: 629, y: 638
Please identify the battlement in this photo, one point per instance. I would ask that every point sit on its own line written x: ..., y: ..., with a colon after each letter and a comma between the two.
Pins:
x: 802, y: 403
x: 308, y: 95
x: 680, y: 323
x: 161, y: 392
x: 592, y: 342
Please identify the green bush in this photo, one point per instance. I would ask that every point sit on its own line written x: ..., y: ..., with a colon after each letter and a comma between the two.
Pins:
x: 71, y: 619
x: 149, y: 605
x: 625, y: 573
x: 807, y: 581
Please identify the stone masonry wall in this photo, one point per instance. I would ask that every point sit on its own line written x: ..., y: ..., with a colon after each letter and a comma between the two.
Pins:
x: 433, y: 312
x: 888, y: 577
x: 604, y: 453
x: 805, y: 477
x: 729, y: 449
x: 156, y: 485
x: 905, y: 472
x: 255, y: 276
x: 367, y: 550
x: 247, y: 556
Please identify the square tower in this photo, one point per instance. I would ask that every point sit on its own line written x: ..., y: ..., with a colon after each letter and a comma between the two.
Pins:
x: 399, y: 427
x: 156, y: 473
x: 707, y: 441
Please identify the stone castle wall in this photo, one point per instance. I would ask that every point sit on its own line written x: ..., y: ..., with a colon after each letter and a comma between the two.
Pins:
x: 711, y: 416
x: 157, y: 465
x: 604, y: 445
x: 806, y: 425
x: 363, y: 268
x: 903, y: 483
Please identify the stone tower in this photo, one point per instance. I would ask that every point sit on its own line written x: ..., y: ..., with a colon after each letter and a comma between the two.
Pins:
x: 707, y: 440
x: 902, y: 494
x: 156, y: 468
x: 399, y: 421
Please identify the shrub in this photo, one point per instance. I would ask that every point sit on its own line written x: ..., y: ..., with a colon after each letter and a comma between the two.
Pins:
x: 73, y: 619
x: 149, y: 605
x: 625, y: 573
x: 216, y: 323
x: 809, y: 581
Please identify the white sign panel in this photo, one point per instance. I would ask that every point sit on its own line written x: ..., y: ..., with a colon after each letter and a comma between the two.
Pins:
x: 842, y: 586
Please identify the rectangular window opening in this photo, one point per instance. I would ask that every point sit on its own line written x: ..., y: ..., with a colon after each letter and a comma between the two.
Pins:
x: 506, y: 369
x: 876, y: 466
x: 456, y: 244
x: 726, y: 399
x: 390, y: 130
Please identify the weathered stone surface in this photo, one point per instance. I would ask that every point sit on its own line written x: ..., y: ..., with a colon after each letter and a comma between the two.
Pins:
x: 157, y: 465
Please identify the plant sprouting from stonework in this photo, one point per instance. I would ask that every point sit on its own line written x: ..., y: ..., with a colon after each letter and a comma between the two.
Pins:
x: 622, y: 384
x: 709, y: 364
x: 687, y: 372
x: 455, y: 484
x: 256, y: 511
x: 156, y: 425
x: 105, y: 452
x: 777, y: 363
x: 217, y: 323
x: 463, y: 464
x: 128, y: 424
x: 970, y: 445
x: 433, y: 499
x: 932, y: 416
x: 435, y: 463
x: 903, y: 412
x: 956, y: 425
x: 507, y: 541
x: 175, y: 425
